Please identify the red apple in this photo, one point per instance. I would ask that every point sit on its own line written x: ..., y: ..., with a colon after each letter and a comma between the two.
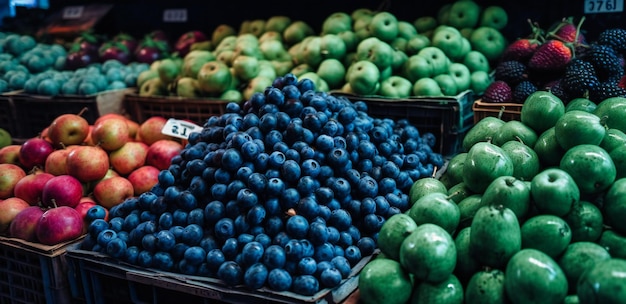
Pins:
x: 62, y: 190
x: 111, y: 133
x: 10, y: 175
x: 133, y: 128
x: 34, y: 152
x: 88, y: 163
x: 9, y: 208
x: 87, y: 199
x: 58, y: 225
x: 89, y: 140
x: 143, y: 179
x: 82, y: 209
x: 24, y: 225
x: 160, y: 153
x: 56, y: 163
x: 10, y: 154
x: 112, y: 191
x: 30, y: 187
x: 129, y: 157
x: 109, y: 115
x: 150, y: 130
x: 68, y: 129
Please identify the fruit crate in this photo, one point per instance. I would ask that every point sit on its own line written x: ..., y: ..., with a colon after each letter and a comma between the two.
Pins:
x: 106, y: 280
x: 35, y: 112
x: 506, y: 111
x: 447, y: 117
x: 196, y: 110
x: 7, y: 114
x: 33, y: 273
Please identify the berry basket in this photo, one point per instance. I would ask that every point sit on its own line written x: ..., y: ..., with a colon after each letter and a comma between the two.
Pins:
x: 447, y: 117
x: 33, y: 273
x: 35, y: 112
x: 7, y: 114
x: 196, y: 110
x: 506, y: 111
x: 99, y: 278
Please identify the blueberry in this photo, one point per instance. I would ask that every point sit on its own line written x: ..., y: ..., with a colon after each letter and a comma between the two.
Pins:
x: 195, y: 255
x: 233, y: 188
x: 231, y: 160
x: 367, y: 187
x: 268, y: 122
x: 292, y: 154
x: 131, y: 255
x: 165, y: 240
x: 341, y: 187
x: 308, y: 249
x: 293, y: 250
x: 214, y: 211
x: 382, y: 205
x: 308, y: 207
x: 192, y: 234
x: 230, y: 248
x: 274, y: 257
x: 324, y: 212
x: 399, y: 202
x: 250, y: 120
x: 290, y: 198
x: 244, y: 172
x: 256, y: 215
x: 252, y: 253
x: 273, y: 225
x: 324, y: 143
x: 272, y: 206
x: 307, y: 185
x: 321, y: 266
x: 330, y: 277
x: 297, y: 226
x: 367, y: 206
x: 224, y: 228
x: 144, y: 258
x: 179, y: 217
x: 276, y: 159
x: 255, y: 276
x: 275, y: 186
x: 281, y: 238
x: 263, y: 238
x: 279, y: 279
x: 241, y: 224
x: 97, y: 226
x: 208, y: 243
x: 222, y: 176
x: 247, y: 198
x: 345, y: 239
x: 282, y: 121
x: 198, y: 187
x: 257, y: 182
x: 305, y: 85
x: 166, y: 178
x: 366, y: 149
x: 341, y: 263
x: 386, y: 185
x: 290, y: 170
x: 131, y: 221
x: 353, y: 254
x: 312, y: 122
x: 324, y: 252
x: 105, y: 236
x: 231, y: 273
x: 215, y: 258
x: 365, y: 165
x: 366, y: 245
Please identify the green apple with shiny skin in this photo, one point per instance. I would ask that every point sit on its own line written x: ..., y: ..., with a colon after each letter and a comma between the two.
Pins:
x: 483, y: 130
x: 579, y: 257
x: 274, y: 50
x: 395, y: 87
x: 333, y: 72
x: 603, y: 283
x: 337, y: 22
x: 494, y: 236
x: 449, y: 40
x: 384, y: 280
x: 214, y: 77
x: 417, y: 67
x: 586, y: 222
x: 246, y: 67
x: 364, y: 77
x: 613, y: 112
x: 227, y: 44
x: 618, y: 156
x: 461, y: 75
x: 485, y: 162
x: 416, y: 44
x: 515, y: 130
x: 312, y: 50
x: 554, y: 191
x: 615, y: 205
x: 525, y: 160
x: 332, y: 46
x: 257, y: 84
x: 546, y: 232
x: 613, y: 138
x: 541, y: 110
x: 510, y: 192
x: 384, y: 26
x: 476, y: 61
x: 406, y: 29
x: 376, y: 51
x: 576, y: 127
x: 582, y: 104
x: 427, y: 87
x: 548, y: 148
x: 479, y: 82
x: 193, y: 62
x: 447, y: 84
x: 531, y: 275
x: 464, y: 14
x: 488, y: 41
x: 440, y: 62
x: 494, y: 16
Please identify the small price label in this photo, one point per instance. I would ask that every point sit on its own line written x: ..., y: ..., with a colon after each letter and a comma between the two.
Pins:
x: 604, y: 6
x: 179, y: 128
x: 178, y: 15
x: 73, y: 12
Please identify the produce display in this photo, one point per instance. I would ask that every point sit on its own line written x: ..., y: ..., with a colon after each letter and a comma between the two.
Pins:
x: 50, y: 183
x: 286, y: 192
x: 531, y: 209
x: 363, y: 52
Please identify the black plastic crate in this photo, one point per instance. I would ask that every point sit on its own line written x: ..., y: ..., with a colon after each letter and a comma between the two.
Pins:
x: 7, y: 114
x: 196, y: 110
x: 98, y: 278
x: 33, y: 273
x: 447, y: 117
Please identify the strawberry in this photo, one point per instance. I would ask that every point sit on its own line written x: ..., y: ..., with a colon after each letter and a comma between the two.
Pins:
x: 498, y: 92
x: 552, y: 55
x: 567, y: 31
x: 520, y: 50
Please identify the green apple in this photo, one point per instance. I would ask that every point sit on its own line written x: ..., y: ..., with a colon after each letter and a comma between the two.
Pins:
x: 399, y: 44
x: 296, y: 32
x: 312, y: 51
x: 273, y: 50
x: 246, y: 67
x: 336, y: 23
x: 347, y: 89
x: 333, y: 72
x: 146, y: 75
x: 467, y: 32
x: 187, y: 87
x: 226, y: 57
x: 461, y: 75
x: 425, y: 24
x: 153, y: 87
x: 488, y: 41
x: 349, y: 39
x: 5, y: 138
x: 384, y: 26
x: 399, y: 59
x: 282, y: 67
x: 494, y: 16
x: 386, y: 73
x: 257, y: 27
x: 406, y: 29
x: 193, y: 62
x: 266, y: 69
x: 277, y: 23
x: 295, y: 51
x: 256, y: 85
x: 440, y: 62
x: 320, y: 84
x: 270, y: 35
x: 427, y: 87
x: 449, y: 40
x: 417, y: 67
x: 235, y: 82
x: 443, y: 14
x: 214, y: 77
x: 220, y: 32
x: 395, y: 87
x: 375, y: 50
x: 301, y: 69
x: 447, y: 84
x: 360, y: 12
x: 169, y: 69
x: 332, y: 46
x: 464, y: 13
x: 361, y: 27
x: 479, y: 81
x: 416, y: 44
x: 364, y: 77
x: 226, y: 44
x: 248, y: 45
x: 466, y: 47
x: 476, y: 61
x: 232, y: 95
x: 244, y: 27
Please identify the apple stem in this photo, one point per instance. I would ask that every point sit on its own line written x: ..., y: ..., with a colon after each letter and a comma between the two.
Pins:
x: 83, y: 110
x: 54, y: 203
x: 603, y: 120
x: 519, y: 139
x: 501, y: 112
x: 434, y: 171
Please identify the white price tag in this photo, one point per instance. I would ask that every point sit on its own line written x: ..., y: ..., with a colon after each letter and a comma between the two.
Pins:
x: 180, y: 128
x: 175, y: 15
x: 604, y: 6
x: 73, y: 12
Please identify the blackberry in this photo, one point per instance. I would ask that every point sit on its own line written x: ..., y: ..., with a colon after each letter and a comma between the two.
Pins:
x: 556, y: 88
x: 579, y: 78
x: 606, y: 90
x: 615, y: 38
x: 522, y: 90
x: 497, y: 92
x: 605, y: 61
x: 511, y: 72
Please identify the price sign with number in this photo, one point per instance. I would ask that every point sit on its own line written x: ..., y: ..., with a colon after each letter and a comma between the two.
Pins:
x: 73, y: 12
x: 175, y: 15
x: 604, y: 6
x: 179, y: 128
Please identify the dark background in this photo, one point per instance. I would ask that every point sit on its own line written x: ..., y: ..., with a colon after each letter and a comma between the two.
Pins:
x: 138, y: 17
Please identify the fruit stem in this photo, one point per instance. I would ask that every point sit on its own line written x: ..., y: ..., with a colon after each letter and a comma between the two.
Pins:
x: 83, y: 110
x: 519, y: 139
x: 434, y: 171
x: 501, y: 112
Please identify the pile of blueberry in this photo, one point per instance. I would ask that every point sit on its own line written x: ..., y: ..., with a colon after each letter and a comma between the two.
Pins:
x: 287, y: 191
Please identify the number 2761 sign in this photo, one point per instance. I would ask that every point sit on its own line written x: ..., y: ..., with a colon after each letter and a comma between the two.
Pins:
x: 604, y: 6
